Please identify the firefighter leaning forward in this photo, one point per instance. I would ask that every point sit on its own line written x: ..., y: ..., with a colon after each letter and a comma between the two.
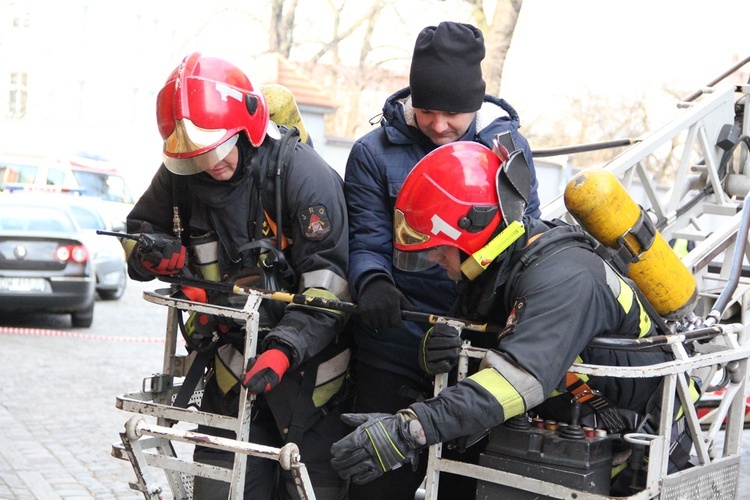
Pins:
x: 543, y: 281
x: 272, y: 224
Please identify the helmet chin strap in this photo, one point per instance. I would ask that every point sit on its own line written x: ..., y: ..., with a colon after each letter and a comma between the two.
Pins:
x: 478, y: 262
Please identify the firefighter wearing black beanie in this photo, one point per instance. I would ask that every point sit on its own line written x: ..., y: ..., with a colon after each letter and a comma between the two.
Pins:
x: 446, y: 72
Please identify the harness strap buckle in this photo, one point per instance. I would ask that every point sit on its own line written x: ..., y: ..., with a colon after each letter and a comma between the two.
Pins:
x: 585, y: 395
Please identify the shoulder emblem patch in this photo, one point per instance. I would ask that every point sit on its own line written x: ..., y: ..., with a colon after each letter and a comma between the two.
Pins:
x: 314, y: 222
x: 513, y: 318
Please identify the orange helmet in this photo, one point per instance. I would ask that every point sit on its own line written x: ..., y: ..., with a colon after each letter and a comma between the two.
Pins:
x: 202, y: 108
x: 449, y: 198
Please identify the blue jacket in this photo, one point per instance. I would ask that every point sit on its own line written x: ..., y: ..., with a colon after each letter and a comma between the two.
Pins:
x: 377, y: 166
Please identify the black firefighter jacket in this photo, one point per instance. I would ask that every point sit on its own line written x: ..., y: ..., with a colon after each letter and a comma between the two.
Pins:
x: 314, y: 221
x: 551, y: 310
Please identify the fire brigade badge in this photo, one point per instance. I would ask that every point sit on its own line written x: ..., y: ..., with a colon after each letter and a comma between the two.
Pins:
x: 314, y: 222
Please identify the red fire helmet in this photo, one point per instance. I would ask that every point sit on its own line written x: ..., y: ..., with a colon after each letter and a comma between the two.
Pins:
x: 204, y: 105
x: 449, y: 198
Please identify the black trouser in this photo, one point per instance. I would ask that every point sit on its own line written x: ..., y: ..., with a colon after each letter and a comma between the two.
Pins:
x: 262, y: 474
x: 379, y: 391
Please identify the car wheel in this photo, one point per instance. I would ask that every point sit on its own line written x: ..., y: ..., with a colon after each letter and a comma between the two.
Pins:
x: 84, y: 318
x: 117, y: 292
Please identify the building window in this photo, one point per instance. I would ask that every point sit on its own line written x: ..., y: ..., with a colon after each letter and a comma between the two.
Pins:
x: 21, y: 19
x: 17, y: 101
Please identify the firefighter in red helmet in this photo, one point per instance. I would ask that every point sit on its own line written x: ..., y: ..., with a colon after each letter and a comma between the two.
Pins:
x: 254, y: 203
x: 201, y: 110
x: 461, y: 208
x: 468, y: 200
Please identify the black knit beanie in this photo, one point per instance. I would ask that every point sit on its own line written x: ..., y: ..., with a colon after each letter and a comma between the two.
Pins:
x: 446, y: 72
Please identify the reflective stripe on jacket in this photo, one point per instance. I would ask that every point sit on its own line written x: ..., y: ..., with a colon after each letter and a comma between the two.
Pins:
x: 558, y: 304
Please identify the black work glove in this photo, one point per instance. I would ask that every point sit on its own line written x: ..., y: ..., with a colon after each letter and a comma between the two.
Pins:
x: 439, y: 349
x: 160, y: 253
x: 380, y: 304
x: 381, y: 442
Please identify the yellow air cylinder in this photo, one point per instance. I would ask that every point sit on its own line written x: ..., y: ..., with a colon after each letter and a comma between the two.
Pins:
x: 602, y: 206
x: 283, y: 108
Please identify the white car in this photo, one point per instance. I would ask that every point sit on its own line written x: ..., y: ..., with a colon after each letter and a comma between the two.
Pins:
x: 107, y: 252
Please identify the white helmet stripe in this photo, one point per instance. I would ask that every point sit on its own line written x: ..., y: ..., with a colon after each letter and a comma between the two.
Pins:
x: 227, y: 91
x: 439, y: 225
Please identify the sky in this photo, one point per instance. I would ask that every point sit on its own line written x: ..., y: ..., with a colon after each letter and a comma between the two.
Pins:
x: 564, y: 49
x: 621, y: 49
x: 561, y: 49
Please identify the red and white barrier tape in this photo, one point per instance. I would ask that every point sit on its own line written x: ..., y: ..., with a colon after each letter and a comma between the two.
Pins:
x: 88, y: 336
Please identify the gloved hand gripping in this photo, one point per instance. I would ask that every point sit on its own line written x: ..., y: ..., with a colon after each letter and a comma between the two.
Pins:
x: 160, y: 253
x: 439, y: 349
x: 380, y: 304
x: 264, y: 372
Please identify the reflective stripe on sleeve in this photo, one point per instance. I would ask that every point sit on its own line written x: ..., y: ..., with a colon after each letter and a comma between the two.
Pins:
x: 645, y: 322
x: 626, y: 297
x: 326, y: 280
x: 505, y: 394
x: 128, y: 245
x: 513, y: 387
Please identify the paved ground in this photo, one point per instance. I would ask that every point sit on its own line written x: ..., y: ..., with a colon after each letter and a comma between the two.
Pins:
x: 57, y: 399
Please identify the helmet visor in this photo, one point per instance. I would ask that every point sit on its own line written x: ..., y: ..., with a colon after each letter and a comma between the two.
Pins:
x: 202, y: 162
x: 413, y: 261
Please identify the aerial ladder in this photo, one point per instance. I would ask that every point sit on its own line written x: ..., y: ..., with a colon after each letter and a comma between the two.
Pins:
x: 706, y: 205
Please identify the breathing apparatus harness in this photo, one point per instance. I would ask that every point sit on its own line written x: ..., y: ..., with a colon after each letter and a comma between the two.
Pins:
x: 263, y: 263
x: 513, y: 185
x: 296, y: 403
x: 271, y: 272
x: 558, y: 238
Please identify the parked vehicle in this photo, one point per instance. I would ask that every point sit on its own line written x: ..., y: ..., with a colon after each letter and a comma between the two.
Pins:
x: 45, y: 264
x: 85, y: 175
x: 107, y: 252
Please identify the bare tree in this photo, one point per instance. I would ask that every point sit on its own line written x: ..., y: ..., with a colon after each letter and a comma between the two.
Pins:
x: 589, y: 120
x: 359, y: 78
x: 281, y: 30
x: 498, y: 35
x: 350, y: 83
x: 594, y: 118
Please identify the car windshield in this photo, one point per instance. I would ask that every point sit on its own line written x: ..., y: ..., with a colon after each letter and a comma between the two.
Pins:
x: 108, y: 187
x: 87, y: 219
x: 35, y: 218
